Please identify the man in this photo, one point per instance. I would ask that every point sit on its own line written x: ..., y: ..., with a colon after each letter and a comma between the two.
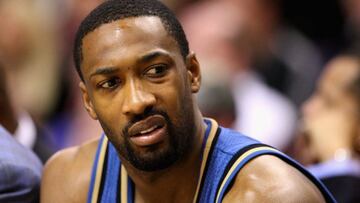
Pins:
x: 138, y: 78
x: 17, y: 88
x: 20, y: 168
x: 23, y: 128
x: 331, y: 125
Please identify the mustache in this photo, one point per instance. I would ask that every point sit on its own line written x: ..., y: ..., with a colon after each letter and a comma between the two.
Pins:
x: 143, y: 116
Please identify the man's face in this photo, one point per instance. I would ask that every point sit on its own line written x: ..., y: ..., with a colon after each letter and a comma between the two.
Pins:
x: 331, y: 115
x: 139, y: 88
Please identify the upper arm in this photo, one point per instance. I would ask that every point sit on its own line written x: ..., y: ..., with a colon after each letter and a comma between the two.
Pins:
x: 67, y: 174
x: 269, y: 179
x: 55, y: 177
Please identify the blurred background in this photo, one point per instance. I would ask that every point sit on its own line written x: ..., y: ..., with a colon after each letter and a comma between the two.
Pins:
x: 284, y: 72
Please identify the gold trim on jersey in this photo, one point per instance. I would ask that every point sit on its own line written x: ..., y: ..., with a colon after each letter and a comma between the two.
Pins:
x: 209, y: 142
x: 237, y: 162
x: 124, y: 185
x: 99, y: 170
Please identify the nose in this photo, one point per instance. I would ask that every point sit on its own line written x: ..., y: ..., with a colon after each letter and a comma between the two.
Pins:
x: 136, y: 99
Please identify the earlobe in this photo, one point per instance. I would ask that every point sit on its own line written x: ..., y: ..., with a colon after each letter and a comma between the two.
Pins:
x: 193, y: 70
x: 86, y: 101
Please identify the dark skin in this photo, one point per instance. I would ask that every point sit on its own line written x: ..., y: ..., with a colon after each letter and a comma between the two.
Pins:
x: 123, y: 78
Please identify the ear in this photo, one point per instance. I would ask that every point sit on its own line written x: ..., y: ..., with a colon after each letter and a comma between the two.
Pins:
x: 193, y: 70
x: 86, y: 101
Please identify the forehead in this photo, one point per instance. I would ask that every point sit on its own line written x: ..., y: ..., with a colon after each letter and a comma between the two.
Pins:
x: 125, y: 39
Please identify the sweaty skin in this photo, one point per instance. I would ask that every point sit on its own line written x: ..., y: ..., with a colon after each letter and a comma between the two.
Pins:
x: 129, y: 66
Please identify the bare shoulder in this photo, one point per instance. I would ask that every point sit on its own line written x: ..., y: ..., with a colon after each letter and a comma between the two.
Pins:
x: 269, y: 179
x: 66, y: 175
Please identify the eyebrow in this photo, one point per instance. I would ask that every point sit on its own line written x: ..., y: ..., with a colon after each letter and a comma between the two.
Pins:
x: 152, y: 55
x: 142, y: 59
x: 104, y: 71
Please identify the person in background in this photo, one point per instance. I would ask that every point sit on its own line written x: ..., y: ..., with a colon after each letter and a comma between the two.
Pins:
x: 215, y: 99
x: 351, y: 10
x: 20, y: 171
x: 29, y: 52
x: 284, y: 57
x: 28, y: 56
x: 7, y: 114
x: 258, y: 108
x: 331, y: 120
x: 20, y: 168
x: 23, y: 130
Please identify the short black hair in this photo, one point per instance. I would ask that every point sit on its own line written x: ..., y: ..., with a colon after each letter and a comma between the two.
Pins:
x: 113, y: 10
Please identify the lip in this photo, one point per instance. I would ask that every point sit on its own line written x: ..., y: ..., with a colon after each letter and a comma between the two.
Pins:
x: 149, y: 139
x: 149, y: 131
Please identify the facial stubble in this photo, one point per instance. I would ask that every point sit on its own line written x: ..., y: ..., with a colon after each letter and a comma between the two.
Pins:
x: 180, y: 133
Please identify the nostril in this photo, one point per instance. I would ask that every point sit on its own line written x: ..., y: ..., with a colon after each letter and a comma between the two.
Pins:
x: 148, y: 110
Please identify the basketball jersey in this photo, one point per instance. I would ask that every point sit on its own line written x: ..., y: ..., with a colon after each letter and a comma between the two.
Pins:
x: 225, y: 152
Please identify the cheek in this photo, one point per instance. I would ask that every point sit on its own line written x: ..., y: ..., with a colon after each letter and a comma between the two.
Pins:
x: 171, y: 99
x: 172, y: 94
x: 112, y: 126
x: 108, y: 112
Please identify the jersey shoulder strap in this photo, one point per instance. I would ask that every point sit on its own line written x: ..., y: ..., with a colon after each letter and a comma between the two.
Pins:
x: 97, y: 170
x: 105, y: 183
x: 243, y: 156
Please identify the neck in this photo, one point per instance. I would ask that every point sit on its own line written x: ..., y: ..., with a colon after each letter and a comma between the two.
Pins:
x: 175, y: 184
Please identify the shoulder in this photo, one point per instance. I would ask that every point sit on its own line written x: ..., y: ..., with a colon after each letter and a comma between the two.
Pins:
x: 67, y: 174
x: 231, y: 141
x: 20, y: 170
x: 269, y: 179
x: 16, y: 156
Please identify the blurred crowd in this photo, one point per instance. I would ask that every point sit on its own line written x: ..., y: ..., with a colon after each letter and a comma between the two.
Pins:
x: 268, y: 72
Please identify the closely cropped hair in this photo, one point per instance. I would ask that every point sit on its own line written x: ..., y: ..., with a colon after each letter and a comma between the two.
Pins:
x: 113, y: 10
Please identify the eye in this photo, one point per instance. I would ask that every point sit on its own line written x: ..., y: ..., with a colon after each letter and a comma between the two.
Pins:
x: 110, y: 83
x: 155, y: 71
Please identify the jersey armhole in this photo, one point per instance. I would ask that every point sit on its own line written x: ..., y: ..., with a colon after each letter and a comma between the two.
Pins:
x: 245, y: 155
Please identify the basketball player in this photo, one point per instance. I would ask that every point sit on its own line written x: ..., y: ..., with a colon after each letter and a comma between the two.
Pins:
x: 138, y: 80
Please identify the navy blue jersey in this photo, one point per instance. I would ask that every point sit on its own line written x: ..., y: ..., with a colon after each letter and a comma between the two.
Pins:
x: 225, y: 152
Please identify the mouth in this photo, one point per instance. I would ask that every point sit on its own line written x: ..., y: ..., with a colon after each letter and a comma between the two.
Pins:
x: 149, y: 131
